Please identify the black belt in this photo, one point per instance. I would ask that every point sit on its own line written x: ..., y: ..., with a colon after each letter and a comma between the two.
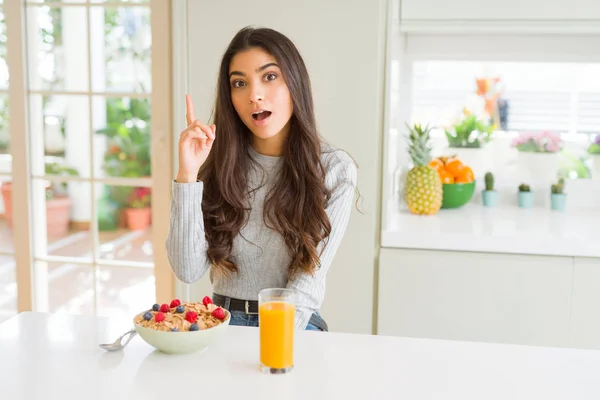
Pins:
x: 251, y: 307
x: 247, y: 306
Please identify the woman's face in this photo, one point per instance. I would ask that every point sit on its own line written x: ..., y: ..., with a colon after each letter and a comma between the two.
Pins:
x: 260, y: 95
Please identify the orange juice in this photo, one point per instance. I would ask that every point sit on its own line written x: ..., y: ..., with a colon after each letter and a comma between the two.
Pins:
x: 276, y: 324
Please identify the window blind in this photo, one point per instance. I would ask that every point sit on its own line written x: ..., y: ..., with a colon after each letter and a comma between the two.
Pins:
x: 560, y: 97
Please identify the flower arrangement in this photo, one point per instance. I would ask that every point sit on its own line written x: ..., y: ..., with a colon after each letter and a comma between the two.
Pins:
x: 594, y: 147
x: 489, y: 89
x: 542, y: 142
x: 139, y: 198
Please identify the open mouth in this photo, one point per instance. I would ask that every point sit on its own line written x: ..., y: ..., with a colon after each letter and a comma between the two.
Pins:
x: 261, y: 115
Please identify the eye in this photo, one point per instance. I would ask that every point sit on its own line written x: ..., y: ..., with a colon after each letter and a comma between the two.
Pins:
x: 238, y: 84
x: 270, y: 76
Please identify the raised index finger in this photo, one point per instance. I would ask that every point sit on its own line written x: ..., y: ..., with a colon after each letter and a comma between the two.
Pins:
x: 189, y: 109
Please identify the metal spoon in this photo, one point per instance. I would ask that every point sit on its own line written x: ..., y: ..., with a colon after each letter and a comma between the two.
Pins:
x: 117, y: 345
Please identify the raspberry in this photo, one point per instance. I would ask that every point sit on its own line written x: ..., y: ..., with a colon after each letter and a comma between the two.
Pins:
x: 165, y: 308
x: 175, y: 303
x: 159, y: 316
x: 206, y: 300
x: 218, y: 313
x: 191, y: 316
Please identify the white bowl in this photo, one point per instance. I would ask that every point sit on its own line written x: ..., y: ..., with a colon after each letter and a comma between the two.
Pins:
x: 182, y: 342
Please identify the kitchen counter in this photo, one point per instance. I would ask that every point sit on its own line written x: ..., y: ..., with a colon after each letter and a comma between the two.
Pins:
x: 504, y: 229
x: 45, y: 356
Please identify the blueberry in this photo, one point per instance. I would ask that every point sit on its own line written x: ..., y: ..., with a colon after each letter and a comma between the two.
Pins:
x: 148, y: 316
x: 193, y: 327
x: 155, y: 307
x: 179, y: 309
x: 174, y: 330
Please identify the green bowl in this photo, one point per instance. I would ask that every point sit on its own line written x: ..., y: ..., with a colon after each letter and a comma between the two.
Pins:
x: 457, y: 194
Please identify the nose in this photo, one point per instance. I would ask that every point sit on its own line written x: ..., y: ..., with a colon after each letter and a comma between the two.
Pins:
x: 256, y: 94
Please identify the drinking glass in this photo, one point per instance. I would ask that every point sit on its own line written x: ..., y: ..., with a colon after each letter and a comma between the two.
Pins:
x: 276, y: 310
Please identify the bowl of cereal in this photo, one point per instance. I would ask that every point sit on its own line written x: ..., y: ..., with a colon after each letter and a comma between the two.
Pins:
x: 182, y: 327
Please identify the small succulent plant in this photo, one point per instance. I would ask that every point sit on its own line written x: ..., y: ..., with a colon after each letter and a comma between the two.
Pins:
x: 489, y: 181
x: 524, y: 188
x: 559, y: 187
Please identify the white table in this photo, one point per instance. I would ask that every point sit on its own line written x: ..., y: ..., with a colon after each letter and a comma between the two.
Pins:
x: 45, y: 356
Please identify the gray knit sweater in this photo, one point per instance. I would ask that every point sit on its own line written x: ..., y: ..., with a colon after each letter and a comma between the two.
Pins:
x: 260, y: 252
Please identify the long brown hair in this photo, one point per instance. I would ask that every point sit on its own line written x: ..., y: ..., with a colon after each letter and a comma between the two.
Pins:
x: 295, y: 207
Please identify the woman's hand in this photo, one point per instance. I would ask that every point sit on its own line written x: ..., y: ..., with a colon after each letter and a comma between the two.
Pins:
x: 195, y: 143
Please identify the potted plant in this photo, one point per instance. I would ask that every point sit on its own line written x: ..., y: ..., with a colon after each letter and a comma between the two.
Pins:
x: 489, y: 194
x: 128, y: 149
x: 594, y: 152
x: 538, y: 155
x: 138, y: 209
x: 58, y: 202
x: 525, y: 196
x: 558, y: 198
x: 467, y: 139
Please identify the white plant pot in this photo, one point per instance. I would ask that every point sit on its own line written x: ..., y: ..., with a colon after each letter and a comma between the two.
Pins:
x: 538, y: 166
x: 595, y: 167
x: 478, y: 160
x: 540, y: 171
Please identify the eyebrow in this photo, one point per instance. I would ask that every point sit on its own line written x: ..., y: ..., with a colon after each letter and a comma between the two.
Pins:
x: 257, y: 70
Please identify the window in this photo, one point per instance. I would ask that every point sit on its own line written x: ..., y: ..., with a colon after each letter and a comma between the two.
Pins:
x: 77, y: 176
x: 546, y: 87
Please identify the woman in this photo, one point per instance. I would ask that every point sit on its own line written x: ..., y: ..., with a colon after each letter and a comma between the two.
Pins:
x: 259, y: 197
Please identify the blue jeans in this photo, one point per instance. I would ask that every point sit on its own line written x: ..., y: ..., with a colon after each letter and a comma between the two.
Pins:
x: 240, y: 318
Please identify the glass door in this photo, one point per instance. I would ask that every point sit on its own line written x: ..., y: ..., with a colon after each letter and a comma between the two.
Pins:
x: 97, y: 205
x: 8, y: 276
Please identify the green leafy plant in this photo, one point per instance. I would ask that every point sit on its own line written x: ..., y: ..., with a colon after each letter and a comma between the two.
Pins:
x: 594, y: 147
x: 469, y: 132
x: 57, y: 166
x: 128, y: 131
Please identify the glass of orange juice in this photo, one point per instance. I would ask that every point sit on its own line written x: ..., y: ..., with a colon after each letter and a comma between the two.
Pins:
x: 276, y: 310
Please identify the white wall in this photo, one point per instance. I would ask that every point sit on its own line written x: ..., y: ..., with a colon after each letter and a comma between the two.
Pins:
x: 342, y: 43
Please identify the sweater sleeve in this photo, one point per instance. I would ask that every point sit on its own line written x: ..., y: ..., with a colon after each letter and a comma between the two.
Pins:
x: 186, y: 243
x: 310, y: 289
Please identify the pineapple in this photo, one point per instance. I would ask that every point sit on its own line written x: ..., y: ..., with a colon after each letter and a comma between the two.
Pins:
x: 423, y: 188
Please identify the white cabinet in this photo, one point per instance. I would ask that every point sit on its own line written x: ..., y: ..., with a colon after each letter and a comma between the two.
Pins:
x: 493, y: 10
x: 585, y: 317
x: 507, y: 16
x: 475, y: 296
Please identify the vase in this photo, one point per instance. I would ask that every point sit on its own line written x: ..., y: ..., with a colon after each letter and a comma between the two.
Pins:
x: 538, y: 167
x: 539, y: 171
x: 558, y: 201
x: 138, y: 219
x: 6, y: 189
x: 58, y: 216
x: 490, y: 198
x: 525, y: 199
x: 595, y: 158
x: 58, y: 212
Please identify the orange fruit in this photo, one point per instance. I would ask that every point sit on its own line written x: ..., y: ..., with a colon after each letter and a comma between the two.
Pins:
x: 436, y: 164
x: 454, y: 166
x: 465, y: 175
x: 445, y: 176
